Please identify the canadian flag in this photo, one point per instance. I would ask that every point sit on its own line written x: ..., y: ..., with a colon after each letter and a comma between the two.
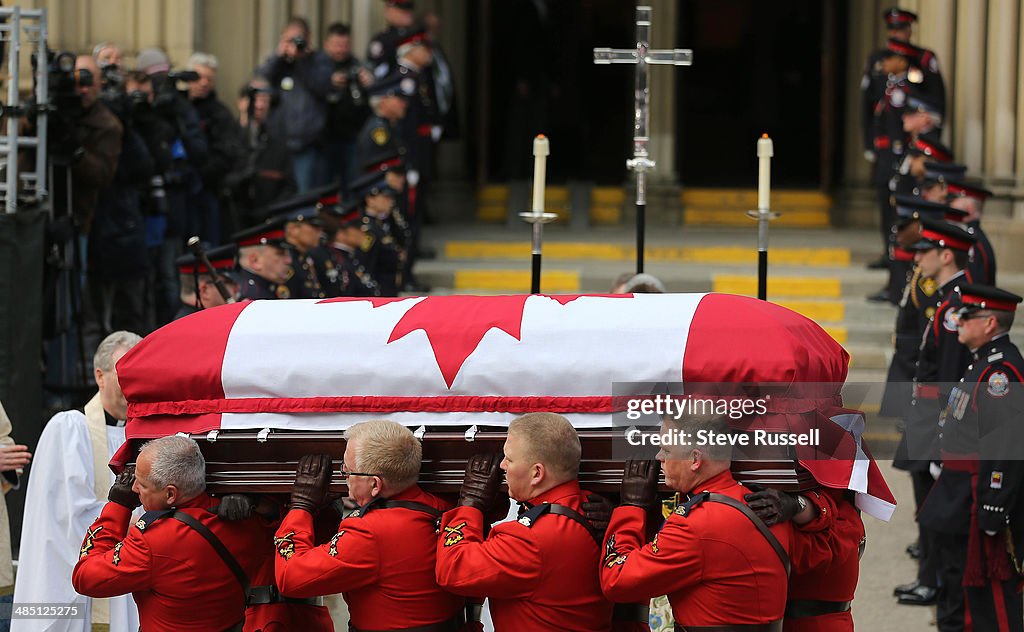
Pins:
x: 464, y: 360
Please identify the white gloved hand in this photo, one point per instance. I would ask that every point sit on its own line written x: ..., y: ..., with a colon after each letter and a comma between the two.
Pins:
x: 934, y: 469
x: 412, y: 177
x: 869, y: 155
x: 435, y: 132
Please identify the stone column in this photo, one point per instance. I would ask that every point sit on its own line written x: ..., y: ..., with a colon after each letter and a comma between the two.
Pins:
x: 863, y: 37
x: 1001, y: 89
x: 1019, y: 155
x: 935, y: 30
x: 969, y: 70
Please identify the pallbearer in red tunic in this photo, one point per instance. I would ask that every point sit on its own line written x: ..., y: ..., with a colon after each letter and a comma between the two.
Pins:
x: 718, y: 563
x: 186, y: 568
x: 382, y: 557
x: 825, y: 551
x: 540, y: 572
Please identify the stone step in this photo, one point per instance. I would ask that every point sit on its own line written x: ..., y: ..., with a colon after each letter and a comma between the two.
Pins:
x: 589, y: 251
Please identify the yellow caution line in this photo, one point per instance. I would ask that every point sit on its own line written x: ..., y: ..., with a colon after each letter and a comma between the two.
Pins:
x: 612, y: 252
x: 717, y: 217
x: 516, y: 280
x: 838, y: 333
x: 796, y: 287
x: 818, y: 311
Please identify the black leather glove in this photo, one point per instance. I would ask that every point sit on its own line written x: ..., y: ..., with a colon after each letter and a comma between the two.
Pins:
x: 598, y: 511
x: 640, y: 483
x: 480, y: 486
x: 498, y: 509
x: 312, y: 477
x: 235, y: 507
x: 121, y: 491
x: 773, y: 506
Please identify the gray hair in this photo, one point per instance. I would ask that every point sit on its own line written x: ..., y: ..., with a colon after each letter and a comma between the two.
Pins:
x: 643, y: 279
x: 97, y: 49
x: 176, y: 460
x: 104, y: 357
x: 202, y: 59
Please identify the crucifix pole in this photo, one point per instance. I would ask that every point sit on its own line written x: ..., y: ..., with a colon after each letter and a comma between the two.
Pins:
x: 641, y: 57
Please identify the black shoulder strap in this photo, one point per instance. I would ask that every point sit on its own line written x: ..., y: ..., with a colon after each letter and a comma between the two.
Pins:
x: 757, y: 522
x: 218, y: 546
x: 384, y: 503
x: 433, y: 512
x: 530, y: 518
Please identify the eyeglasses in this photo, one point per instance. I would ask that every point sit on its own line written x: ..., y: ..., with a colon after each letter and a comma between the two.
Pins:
x: 345, y: 473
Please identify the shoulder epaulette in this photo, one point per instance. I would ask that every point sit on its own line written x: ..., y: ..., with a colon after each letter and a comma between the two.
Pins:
x: 533, y: 514
x: 150, y: 517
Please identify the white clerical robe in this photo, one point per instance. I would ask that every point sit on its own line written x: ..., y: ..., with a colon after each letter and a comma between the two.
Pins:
x: 62, y: 501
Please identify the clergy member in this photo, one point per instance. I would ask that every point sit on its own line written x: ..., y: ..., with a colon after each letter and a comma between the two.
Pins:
x: 67, y: 488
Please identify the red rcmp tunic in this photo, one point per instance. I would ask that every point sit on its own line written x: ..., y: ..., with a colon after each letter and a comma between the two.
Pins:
x: 176, y: 578
x: 382, y: 561
x: 538, y: 577
x: 830, y: 563
x: 713, y: 564
x: 282, y: 616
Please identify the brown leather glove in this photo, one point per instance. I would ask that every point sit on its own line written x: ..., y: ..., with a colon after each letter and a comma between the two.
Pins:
x: 773, y: 506
x: 640, y: 483
x: 480, y: 486
x: 312, y: 476
x: 121, y: 491
x: 598, y: 511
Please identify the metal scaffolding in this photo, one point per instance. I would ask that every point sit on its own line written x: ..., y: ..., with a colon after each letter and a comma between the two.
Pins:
x: 29, y: 186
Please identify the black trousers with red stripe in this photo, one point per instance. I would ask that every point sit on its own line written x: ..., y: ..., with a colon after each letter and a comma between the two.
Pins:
x: 997, y: 607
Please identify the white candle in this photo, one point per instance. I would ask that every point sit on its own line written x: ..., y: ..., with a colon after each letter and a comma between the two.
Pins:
x: 765, y: 151
x: 541, y: 150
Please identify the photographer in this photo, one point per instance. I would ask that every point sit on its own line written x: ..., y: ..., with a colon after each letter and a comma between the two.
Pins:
x: 118, y: 257
x: 97, y: 136
x: 301, y: 80
x: 265, y: 173
x: 222, y: 137
x: 174, y: 125
x: 348, y: 104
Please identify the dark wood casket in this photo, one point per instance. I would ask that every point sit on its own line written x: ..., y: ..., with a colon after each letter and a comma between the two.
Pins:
x: 259, y: 384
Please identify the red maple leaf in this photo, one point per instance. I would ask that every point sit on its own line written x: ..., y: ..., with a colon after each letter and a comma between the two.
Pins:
x: 455, y: 325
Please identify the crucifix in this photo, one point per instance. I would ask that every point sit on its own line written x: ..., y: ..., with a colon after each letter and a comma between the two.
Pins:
x: 642, y: 56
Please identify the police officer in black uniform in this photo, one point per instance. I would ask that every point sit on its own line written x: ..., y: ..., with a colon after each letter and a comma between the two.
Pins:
x: 346, y: 276
x: 198, y: 282
x: 916, y: 305
x: 386, y: 233
x: 976, y: 489
x: 982, y: 436
x: 264, y: 262
x: 981, y: 269
x: 302, y: 232
x: 942, y: 255
x: 380, y: 53
x: 383, y: 130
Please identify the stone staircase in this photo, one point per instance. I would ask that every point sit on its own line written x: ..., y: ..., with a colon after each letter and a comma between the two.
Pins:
x: 818, y: 273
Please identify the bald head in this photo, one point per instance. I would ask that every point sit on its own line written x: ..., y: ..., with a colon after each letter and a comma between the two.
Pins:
x: 91, y: 92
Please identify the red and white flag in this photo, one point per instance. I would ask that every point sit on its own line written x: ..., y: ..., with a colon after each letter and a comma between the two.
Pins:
x: 459, y: 360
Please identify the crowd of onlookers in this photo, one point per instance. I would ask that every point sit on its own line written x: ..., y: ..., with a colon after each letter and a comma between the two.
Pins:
x: 159, y: 156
